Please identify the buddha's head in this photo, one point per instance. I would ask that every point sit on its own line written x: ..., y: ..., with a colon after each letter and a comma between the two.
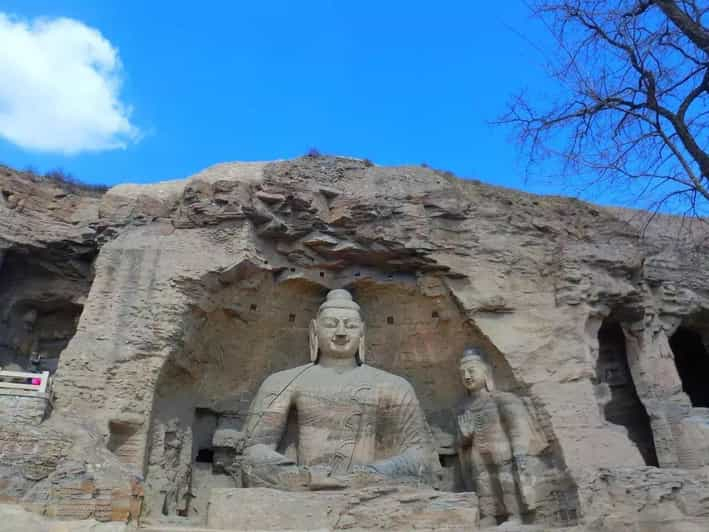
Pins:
x: 475, y: 372
x: 337, y: 332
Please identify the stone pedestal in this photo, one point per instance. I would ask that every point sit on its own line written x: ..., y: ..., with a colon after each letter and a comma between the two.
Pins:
x: 380, y: 507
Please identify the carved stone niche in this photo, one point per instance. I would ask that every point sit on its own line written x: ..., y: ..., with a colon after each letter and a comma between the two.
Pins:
x: 616, y: 390
x: 41, y: 306
x: 690, y: 347
x: 240, y: 331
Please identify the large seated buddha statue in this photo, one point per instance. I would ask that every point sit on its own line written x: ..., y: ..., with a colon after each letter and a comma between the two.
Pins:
x: 350, y: 423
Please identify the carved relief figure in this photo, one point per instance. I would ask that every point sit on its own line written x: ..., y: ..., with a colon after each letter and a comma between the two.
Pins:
x: 353, y: 423
x: 172, y: 451
x: 498, y: 444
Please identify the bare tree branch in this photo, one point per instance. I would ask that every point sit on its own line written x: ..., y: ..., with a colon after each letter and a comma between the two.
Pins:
x: 633, y: 102
x: 692, y: 28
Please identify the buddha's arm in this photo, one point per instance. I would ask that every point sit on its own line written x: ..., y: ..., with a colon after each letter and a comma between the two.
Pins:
x: 410, y: 436
x: 525, y: 437
x: 263, y: 466
x: 268, y: 413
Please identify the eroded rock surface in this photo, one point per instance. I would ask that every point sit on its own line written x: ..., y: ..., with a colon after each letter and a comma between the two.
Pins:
x: 383, y: 508
x: 167, y: 305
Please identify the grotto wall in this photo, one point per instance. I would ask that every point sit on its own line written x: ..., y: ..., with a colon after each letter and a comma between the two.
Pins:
x: 202, y: 287
x: 49, y: 238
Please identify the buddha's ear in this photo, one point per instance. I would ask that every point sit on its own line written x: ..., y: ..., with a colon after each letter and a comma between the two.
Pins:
x: 313, y: 342
x: 489, y: 382
x: 361, y: 352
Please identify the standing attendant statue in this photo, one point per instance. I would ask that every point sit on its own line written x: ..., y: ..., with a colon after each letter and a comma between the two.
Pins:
x: 498, y: 445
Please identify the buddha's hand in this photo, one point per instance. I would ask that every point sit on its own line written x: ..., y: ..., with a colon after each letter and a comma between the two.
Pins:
x: 263, y: 455
x: 358, y: 476
x: 466, y: 425
x: 370, y: 469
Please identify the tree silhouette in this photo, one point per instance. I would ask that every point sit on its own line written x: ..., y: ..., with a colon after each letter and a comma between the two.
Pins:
x: 632, y: 107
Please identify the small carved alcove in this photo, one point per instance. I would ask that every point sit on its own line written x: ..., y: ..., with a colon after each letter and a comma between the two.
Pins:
x: 690, y: 346
x: 616, y: 389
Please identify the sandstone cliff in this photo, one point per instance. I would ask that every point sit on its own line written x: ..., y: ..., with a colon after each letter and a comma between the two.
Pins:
x: 167, y: 304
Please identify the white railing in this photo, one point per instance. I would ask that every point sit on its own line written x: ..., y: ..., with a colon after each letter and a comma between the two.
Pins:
x: 23, y: 381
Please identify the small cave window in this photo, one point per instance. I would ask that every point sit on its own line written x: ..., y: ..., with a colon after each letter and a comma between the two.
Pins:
x: 621, y: 404
x: 205, y: 456
x: 434, y: 314
x: 253, y: 306
x: 447, y: 460
x: 390, y: 320
x: 692, y: 361
x: 121, y: 437
x: 291, y: 318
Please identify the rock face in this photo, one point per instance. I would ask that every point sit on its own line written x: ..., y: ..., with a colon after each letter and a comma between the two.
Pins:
x: 384, y: 508
x: 170, y: 303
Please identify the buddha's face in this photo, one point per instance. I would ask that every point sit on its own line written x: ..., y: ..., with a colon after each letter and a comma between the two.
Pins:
x: 339, y: 331
x: 473, y: 373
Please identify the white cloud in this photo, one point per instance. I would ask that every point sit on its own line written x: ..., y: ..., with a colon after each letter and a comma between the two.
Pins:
x: 60, y: 83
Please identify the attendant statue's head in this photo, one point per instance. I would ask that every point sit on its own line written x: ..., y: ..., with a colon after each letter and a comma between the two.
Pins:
x: 337, y: 332
x: 475, y: 371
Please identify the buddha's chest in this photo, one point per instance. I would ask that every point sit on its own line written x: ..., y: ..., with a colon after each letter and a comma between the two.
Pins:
x: 336, y: 404
x: 482, y: 420
x: 337, y: 423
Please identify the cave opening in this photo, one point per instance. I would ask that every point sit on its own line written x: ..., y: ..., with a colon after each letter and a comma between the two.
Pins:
x: 692, y: 361
x: 42, y: 303
x: 203, y: 429
x: 205, y: 456
x: 622, y: 406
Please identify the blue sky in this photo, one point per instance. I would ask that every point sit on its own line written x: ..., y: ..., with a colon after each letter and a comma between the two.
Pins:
x: 395, y: 82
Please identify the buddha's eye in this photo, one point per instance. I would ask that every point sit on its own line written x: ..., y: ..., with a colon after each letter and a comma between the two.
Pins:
x: 352, y: 325
x: 329, y: 322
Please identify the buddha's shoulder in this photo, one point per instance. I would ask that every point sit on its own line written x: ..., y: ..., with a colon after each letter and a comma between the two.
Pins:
x: 285, y: 377
x: 382, y: 377
x: 508, y: 399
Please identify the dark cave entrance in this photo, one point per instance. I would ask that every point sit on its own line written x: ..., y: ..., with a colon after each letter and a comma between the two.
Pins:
x: 205, y: 456
x: 42, y: 293
x: 692, y: 361
x: 622, y: 406
x: 204, y: 427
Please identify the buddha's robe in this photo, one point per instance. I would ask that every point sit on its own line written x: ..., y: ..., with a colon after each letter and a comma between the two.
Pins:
x: 359, y: 416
